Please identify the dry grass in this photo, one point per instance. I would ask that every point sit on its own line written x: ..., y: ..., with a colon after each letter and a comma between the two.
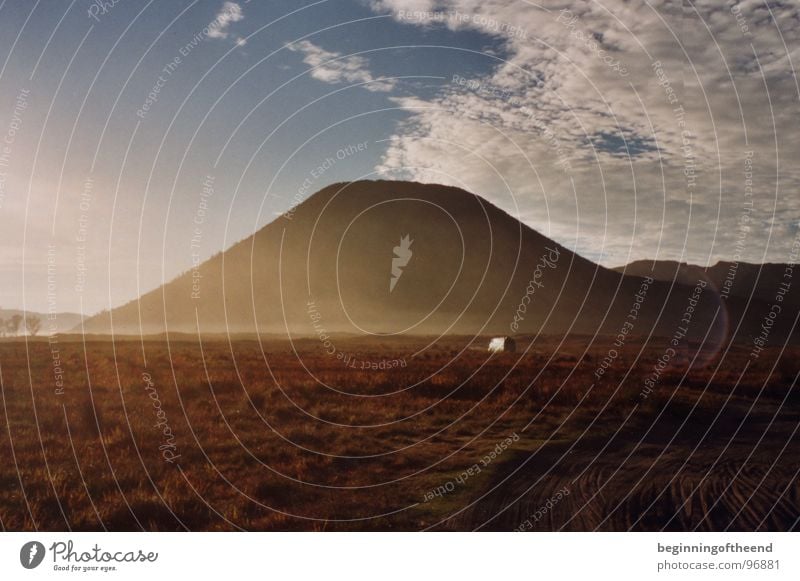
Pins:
x: 265, y: 445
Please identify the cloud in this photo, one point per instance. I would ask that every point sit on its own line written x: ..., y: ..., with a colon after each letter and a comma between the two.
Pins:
x: 333, y: 68
x: 229, y: 13
x: 622, y: 129
x: 397, y: 6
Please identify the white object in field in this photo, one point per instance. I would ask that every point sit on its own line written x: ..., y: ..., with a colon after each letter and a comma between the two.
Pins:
x: 500, y: 344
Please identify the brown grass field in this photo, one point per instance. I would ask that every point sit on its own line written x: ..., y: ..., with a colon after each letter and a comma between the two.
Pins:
x: 274, y: 436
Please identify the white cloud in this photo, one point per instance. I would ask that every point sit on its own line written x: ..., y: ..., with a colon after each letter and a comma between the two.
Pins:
x: 582, y: 84
x: 333, y: 68
x: 229, y: 13
x: 398, y: 6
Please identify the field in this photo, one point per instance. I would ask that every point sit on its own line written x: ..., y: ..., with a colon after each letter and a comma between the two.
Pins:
x: 395, y: 435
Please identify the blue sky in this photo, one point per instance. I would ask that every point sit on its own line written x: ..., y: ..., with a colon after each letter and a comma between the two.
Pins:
x: 258, y: 94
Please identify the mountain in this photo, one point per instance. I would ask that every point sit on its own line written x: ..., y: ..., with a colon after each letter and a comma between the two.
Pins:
x: 389, y: 257
x: 738, y: 279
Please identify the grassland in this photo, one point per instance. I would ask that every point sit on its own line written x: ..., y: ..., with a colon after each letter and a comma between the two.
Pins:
x: 272, y: 435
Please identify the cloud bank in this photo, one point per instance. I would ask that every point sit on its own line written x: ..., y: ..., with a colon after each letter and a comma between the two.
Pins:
x: 625, y: 130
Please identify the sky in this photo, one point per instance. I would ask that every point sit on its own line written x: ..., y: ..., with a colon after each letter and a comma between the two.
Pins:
x: 139, y: 137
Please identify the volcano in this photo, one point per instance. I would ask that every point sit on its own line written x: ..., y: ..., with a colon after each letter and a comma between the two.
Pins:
x: 392, y: 258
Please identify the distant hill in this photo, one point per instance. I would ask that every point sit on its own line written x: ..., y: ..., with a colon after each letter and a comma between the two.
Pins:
x: 738, y: 279
x: 459, y: 265
x: 60, y: 322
